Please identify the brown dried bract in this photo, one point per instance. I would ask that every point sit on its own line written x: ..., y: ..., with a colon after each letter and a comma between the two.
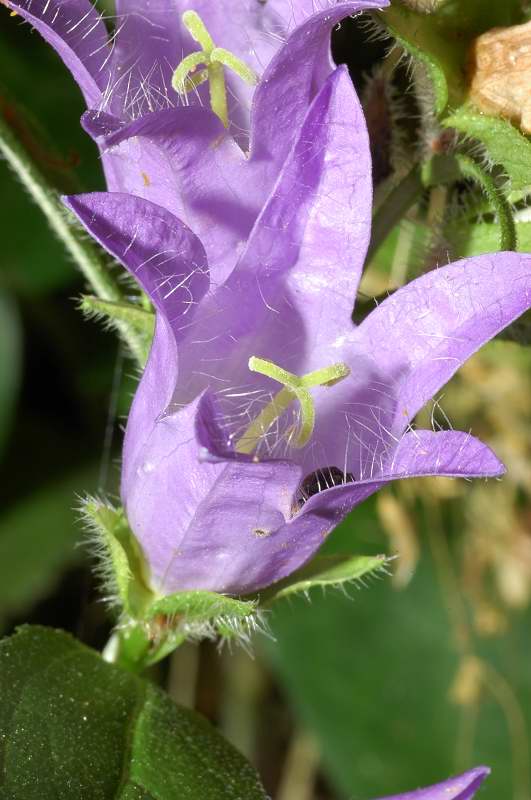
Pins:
x: 500, y: 73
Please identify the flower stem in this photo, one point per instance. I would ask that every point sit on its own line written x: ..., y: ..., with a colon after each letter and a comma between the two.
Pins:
x: 393, y: 208
x: 470, y: 169
x: 82, y: 250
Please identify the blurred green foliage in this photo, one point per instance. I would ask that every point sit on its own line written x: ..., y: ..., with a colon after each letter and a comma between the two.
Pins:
x: 56, y: 371
x: 372, y: 675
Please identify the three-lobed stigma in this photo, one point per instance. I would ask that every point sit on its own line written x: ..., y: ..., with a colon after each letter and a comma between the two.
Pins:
x: 213, y: 60
x: 295, y: 387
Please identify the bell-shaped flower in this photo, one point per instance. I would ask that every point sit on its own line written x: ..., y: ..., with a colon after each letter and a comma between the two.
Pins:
x: 264, y: 415
x: 171, y: 148
x: 461, y: 787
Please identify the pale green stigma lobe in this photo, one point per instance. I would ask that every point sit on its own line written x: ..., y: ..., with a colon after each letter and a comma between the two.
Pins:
x: 214, y: 60
x: 197, y: 30
x: 295, y: 388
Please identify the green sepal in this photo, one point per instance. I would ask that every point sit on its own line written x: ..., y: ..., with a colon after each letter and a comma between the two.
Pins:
x: 441, y: 40
x: 472, y: 170
x: 425, y: 39
x: 503, y: 143
x: 202, y: 613
x: 201, y: 606
x: 116, y: 314
x: 327, y: 571
x: 168, y: 621
x: 122, y: 564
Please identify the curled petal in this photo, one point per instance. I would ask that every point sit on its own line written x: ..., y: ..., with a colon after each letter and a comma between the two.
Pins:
x: 426, y: 330
x: 261, y: 554
x: 183, y: 159
x: 422, y: 453
x: 461, y: 787
x: 296, y: 278
x: 77, y: 32
x: 294, y: 76
x: 159, y: 251
x: 453, y: 454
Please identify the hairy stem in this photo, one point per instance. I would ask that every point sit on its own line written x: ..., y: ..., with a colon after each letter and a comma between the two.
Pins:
x: 393, y: 208
x: 470, y: 169
x: 82, y: 250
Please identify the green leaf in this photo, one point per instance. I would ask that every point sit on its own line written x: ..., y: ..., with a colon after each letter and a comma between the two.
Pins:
x: 10, y: 363
x: 472, y: 239
x: 503, y: 143
x: 39, y: 538
x: 73, y: 726
x: 372, y: 676
x: 328, y: 571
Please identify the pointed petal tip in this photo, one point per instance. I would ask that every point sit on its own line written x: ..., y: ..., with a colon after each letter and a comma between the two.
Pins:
x: 457, y: 787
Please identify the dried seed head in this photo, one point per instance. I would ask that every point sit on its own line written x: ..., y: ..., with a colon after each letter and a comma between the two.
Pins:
x: 500, y: 74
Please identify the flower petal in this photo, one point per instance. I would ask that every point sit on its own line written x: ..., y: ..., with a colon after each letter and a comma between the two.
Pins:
x: 142, y: 442
x: 426, y: 330
x: 294, y: 77
x: 242, y: 537
x: 76, y: 30
x: 462, y: 787
x: 226, y: 545
x: 161, y: 253
x: 196, y: 520
x: 175, y: 275
x: 184, y: 160
x: 314, y: 231
x: 296, y: 280
x: 453, y: 454
x: 152, y: 40
x: 422, y: 453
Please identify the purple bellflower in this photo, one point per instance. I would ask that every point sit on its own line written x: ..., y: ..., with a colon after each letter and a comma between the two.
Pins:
x: 264, y: 415
x: 171, y: 148
x: 461, y: 787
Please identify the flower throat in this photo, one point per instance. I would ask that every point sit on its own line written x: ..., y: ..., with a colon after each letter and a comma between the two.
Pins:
x: 295, y: 387
x: 214, y: 59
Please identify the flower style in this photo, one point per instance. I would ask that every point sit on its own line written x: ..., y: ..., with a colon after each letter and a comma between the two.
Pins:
x: 264, y: 415
x: 461, y: 787
x: 181, y: 157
